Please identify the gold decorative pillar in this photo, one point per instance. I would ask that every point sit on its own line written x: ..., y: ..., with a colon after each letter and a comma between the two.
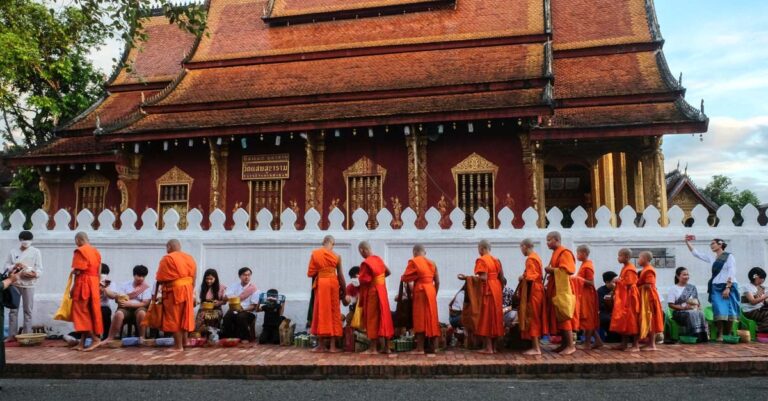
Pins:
x: 219, y: 166
x: 606, y: 170
x: 634, y: 176
x: 621, y: 196
x: 534, y: 173
x: 315, y: 151
x: 654, y: 182
x: 416, y: 146
x: 128, y: 168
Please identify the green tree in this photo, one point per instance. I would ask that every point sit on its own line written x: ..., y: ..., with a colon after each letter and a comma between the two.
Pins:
x: 721, y: 191
x: 46, y: 78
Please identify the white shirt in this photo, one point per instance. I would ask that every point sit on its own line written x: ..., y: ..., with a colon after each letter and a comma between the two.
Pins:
x: 30, y: 257
x: 729, y: 268
x: 127, y: 287
x: 104, y: 298
x: 458, y: 303
x: 750, y: 288
x: 237, y: 288
x: 674, y: 293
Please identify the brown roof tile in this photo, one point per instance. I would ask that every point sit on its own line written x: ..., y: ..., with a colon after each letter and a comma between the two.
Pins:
x: 159, y: 58
x: 360, y: 74
x: 113, y: 107
x: 285, y: 8
x: 337, y: 111
x: 236, y: 32
x: 589, y: 23
x: 76, y: 145
x: 618, y: 115
x: 608, y: 75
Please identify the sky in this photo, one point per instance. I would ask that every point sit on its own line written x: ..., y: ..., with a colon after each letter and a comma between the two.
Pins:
x: 720, y: 47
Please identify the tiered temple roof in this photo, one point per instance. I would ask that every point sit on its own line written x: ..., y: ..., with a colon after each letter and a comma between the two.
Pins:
x: 587, y: 68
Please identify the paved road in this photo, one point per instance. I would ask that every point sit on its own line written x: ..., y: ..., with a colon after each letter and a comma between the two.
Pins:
x: 677, y: 389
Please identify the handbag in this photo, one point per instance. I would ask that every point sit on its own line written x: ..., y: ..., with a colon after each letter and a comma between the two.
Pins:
x: 154, y: 318
x: 64, y: 312
x: 357, y: 318
x: 404, y: 310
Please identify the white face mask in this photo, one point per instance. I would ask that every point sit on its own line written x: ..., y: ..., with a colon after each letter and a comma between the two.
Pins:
x: 26, y: 244
x: 355, y: 282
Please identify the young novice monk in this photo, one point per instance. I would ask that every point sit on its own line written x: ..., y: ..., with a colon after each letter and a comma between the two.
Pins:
x: 531, y: 310
x: 561, y: 297
x: 651, y: 315
x: 589, y: 311
x: 422, y: 272
x: 626, y: 304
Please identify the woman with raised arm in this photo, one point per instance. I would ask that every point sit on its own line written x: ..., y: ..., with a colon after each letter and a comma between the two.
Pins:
x: 722, y: 287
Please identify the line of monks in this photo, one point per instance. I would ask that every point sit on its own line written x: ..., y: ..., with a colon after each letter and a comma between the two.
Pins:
x: 554, y: 299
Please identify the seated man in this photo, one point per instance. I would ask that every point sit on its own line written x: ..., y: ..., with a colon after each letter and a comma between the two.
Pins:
x: 605, y: 299
x: 106, y: 311
x: 132, y: 299
x: 240, y: 317
x: 510, y: 313
x: 273, y: 306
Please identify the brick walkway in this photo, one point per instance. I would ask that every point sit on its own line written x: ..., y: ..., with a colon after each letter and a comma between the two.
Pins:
x: 260, y: 362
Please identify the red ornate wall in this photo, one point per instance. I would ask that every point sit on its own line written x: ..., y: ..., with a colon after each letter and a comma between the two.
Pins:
x: 68, y: 194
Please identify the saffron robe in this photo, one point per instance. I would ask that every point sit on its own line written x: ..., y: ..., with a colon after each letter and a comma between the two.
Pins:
x: 561, y: 296
x: 626, y: 303
x: 531, y: 311
x: 421, y: 271
x: 374, y: 300
x: 651, y: 314
x: 473, y: 304
x: 326, y: 319
x: 86, y: 294
x: 491, y: 322
x: 176, y: 273
x: 589, y: 310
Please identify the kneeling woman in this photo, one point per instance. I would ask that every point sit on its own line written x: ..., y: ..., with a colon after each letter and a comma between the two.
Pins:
x: 683, y: 299
x: 755, y: 299
x: 212, y: 298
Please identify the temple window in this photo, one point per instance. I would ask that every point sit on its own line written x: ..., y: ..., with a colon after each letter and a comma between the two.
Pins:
x: 365, y: 183
x: 91, y: 192
x: 267, y: 194
x: 475, y: 178
x: 173, y: 190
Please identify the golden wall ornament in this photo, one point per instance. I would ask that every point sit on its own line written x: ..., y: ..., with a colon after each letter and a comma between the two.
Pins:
x: 397, y: 211
x: 475, y: 166
x: 127, y: 178
x: 43, y: 185
x: 364, y: 181
x: 180, y: 187
x: 416, y: 146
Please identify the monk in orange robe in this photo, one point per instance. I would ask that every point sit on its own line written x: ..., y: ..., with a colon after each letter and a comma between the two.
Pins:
x: 176, y: 274
x: 86, y: 293
x: 589, y: 309
x: 491, y: 324
x: 374, y: 301
x: 325, y: 270
x: 651, y: 314
x: 561, y: 297
x: 422, y: 272
x: 626, y: 304
x: 531, y: 310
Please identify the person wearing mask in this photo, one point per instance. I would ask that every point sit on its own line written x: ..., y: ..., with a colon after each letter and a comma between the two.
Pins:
x: 28, y: 260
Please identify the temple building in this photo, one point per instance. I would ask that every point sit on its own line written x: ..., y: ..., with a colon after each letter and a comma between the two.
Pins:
x: 380, y: 104
x: 682, y: 192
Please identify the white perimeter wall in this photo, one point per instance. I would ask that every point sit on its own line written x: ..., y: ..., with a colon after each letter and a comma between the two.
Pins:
x: 279, y: 258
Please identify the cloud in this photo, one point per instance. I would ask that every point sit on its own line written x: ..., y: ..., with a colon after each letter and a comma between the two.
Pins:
x: 737, y: 148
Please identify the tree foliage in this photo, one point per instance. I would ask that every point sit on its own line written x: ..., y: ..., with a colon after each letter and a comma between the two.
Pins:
x: 721, y: 191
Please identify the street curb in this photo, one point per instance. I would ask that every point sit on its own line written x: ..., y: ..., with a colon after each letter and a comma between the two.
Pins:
x: 542, y: 370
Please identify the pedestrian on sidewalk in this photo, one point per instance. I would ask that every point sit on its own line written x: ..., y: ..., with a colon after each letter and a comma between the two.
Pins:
x: 7, y: 280
x: 29, y: 261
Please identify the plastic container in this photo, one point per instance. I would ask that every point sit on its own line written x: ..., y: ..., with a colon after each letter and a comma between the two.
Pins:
x: 688, y: 340
x: 130, y: 341
x: 229, y: 342
x: 762, y: 338
x: 731, y: 339
x: 164, y: 342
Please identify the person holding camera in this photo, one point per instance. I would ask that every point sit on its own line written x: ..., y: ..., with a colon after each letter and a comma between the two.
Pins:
x: 273, y: 306
x: 29, y: 262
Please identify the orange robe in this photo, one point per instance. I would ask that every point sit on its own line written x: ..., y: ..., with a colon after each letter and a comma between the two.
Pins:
x: 177, y: 275
x: 422, y: 271
x: 86, y: 294
x: 589, y: 310
x: 626, y: 303
x: 374, y: 299
x: 533, y: 279
x: 326, y: 318
x: 562, y: 258
x: 649, y: 301
x: 491, y: 322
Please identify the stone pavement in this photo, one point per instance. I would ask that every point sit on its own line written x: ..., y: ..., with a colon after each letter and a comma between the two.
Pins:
x: 53, y: 360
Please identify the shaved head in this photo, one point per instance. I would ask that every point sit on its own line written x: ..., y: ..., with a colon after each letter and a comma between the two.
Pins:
x: 583, y: 248
x: 555, y: 235
x: 484, y: 244
x: 645, y: 257
x: 365, y: 249
x: 419, y: 250
x: 328, y: 239
x: 81, y: 238
x: 553, y: 240
x: 625, y: 252
x: 528, y: 243
x: 173, y: 245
